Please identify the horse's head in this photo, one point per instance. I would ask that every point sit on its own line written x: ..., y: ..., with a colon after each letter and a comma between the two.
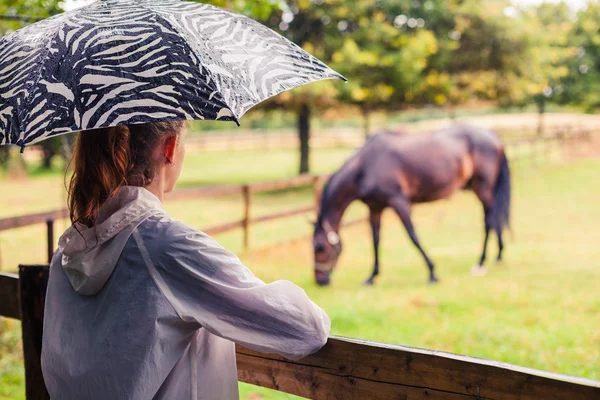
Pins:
x: 327, y: 246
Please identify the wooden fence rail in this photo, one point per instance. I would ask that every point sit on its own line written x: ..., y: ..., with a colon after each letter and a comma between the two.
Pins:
x: 193, y: 193
x: 343, y: 369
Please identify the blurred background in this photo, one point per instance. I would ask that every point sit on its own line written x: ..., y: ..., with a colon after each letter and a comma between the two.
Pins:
x: 528, y: 69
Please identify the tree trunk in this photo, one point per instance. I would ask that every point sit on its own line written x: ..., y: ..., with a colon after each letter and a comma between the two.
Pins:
x: 47, y: 159
x: 304, y: 134
x: 541, y: 109
x: 366, y: 123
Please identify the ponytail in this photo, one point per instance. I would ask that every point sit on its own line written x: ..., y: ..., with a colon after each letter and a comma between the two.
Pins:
x: 106, y: 159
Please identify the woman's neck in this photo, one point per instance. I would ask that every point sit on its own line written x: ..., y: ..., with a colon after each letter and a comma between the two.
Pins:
x: 156, y: 187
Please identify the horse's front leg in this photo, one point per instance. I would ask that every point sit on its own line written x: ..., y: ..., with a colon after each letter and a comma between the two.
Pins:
x: 402, y: 207
x: 375, y: 220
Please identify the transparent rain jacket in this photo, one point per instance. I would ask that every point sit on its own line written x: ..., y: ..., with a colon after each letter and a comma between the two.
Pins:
x: 143, y: 307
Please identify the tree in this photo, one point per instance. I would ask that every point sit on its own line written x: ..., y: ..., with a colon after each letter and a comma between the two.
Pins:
x: 312, y: 25
x: 581, y: 86
x: 550, y: 53
x: 383, y: 55
x: 543, y: 63
x: 359, y: 40
x: 296, y: 21
x: 481, y: 52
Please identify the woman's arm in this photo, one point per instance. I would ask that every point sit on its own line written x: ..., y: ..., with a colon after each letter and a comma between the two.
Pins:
x: 209, y: 286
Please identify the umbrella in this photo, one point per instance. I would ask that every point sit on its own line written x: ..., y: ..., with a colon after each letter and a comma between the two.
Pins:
x: 124, y: 62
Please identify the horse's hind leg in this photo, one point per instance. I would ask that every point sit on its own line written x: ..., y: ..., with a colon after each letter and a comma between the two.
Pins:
x: 402, y: 208
x: 485, y: 194
x: 485, y: 240
x: 500, y: 243
x: 375, y: 221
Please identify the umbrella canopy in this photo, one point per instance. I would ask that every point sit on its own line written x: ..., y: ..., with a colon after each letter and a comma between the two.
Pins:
x: 125, y: 62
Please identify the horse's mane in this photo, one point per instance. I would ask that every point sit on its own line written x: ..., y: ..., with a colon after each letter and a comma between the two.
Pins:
x: 325, y: 194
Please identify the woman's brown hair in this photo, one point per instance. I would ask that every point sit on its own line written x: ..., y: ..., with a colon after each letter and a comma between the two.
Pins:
x: 106, y: 159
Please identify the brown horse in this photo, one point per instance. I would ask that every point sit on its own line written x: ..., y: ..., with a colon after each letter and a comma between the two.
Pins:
x: 394, y: 170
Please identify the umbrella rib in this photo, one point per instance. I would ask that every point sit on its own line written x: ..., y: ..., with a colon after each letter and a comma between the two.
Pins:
x: 199, y: 56
x: 41, y: 65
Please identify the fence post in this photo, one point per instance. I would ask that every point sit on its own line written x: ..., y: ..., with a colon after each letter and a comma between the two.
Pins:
x: 246, y: 193
x: 50, y: 230
x: 32, y: 292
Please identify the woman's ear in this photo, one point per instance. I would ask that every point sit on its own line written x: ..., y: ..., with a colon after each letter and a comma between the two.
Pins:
x: 169, y: 149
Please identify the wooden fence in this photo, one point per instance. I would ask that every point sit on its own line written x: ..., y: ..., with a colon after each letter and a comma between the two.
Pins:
x: 245, y: 223
x: 343, y: 369
x: 521, y: 144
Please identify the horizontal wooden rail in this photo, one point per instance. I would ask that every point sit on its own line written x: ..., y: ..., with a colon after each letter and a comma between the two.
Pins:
x: 32, y: 219
x: 208, y: 191
x: 282, y: 214
x: 179, y: 194
x: 298, y: 181
x: 358, y: 369
x: 213, y: 230
x: 343, y: 369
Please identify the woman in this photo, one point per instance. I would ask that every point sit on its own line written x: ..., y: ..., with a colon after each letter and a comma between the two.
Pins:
x: 140, y: 306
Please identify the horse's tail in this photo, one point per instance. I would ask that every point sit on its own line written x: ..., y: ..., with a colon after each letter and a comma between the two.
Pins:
x: 501, y: 206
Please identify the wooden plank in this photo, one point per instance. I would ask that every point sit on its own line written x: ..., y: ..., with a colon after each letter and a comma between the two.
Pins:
x: 213, y: 230
x: 356, y: 369
x: 344, y: 368
x: 282, y: 214
x: 209, y: 191
x: 9, y: 296
x: 32, y: 219
x: 33, y: 281
x: 298, y: 181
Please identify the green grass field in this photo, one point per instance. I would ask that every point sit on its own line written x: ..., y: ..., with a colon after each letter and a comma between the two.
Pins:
x: 540, y: 308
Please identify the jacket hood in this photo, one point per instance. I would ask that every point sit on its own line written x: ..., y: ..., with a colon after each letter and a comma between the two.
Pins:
x: 90, y: 255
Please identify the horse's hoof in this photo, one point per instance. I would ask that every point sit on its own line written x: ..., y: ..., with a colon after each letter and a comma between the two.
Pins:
x: 433, y: 281
x: 478, y: 270
x: 368, y: 282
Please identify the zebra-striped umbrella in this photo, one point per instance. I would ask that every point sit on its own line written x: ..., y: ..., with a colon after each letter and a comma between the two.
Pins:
x: 124, y: 62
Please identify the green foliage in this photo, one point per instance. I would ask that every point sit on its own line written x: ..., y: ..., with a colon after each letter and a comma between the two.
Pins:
x: 582, y: 84
x: 27, y: 8
x: 257, y: 9
x: 383, y: 61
